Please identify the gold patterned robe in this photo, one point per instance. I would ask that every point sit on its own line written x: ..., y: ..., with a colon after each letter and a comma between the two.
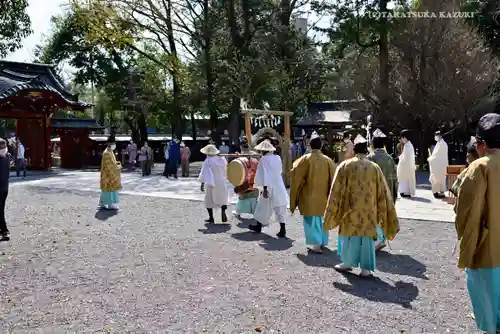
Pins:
x: 110, y: 172
x: 359, y: 199
x: 311, y: 178
x: 478, y: 213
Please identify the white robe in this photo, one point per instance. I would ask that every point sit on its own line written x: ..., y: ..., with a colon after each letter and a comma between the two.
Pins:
x: 214, y: 175
x: 406, y: 170
x: 269, y: 175
x: 438, y: 161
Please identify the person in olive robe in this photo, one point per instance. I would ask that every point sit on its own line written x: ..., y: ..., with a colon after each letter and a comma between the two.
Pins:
x: 311, y: 178
x: 478, y: 225
x: 359, y: 197
x: 110, y: 177
x: 388, y: 167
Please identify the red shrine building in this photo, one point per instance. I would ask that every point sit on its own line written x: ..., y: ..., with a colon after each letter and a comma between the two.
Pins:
x: 31, y: 94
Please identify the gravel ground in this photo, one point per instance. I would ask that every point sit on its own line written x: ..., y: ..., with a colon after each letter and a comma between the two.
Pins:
x: 155, y: 268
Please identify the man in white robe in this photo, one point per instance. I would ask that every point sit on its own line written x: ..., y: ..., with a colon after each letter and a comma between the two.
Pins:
x: 406, y: 167
x: 273, y: 196
x: 438, y: 162
x: 213, y: 175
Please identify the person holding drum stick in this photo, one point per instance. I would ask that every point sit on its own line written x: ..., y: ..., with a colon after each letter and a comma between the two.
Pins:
x: 213, y: 176
x: 274, y: 196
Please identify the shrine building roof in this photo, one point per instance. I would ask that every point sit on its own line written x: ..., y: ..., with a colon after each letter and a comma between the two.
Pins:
x: 22, y: 77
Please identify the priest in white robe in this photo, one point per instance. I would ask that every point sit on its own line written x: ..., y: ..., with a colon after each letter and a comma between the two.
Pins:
x: 273, y: 196
x: 213, y: 178
x: 438, y: 162
x: 406, y: 167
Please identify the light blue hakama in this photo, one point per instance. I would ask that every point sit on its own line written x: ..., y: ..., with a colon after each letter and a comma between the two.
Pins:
x: 313, y: 229
x: 246, y: 205
x: 380, y: 234
x: 484, y: 290
x: 357, y: 252
x: 109, y: 197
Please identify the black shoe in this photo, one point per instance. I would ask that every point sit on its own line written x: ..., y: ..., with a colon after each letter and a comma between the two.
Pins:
x: 224, y: 216
x: 282, y: 232
x: 439, y: 195
x: 255, y: 228
x: 210, y: 221
x: 405, y: 196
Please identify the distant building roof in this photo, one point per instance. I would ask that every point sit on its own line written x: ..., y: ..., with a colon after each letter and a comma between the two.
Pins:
x: 18, y: 77
x: 75, y: 123
x: 329, y: 112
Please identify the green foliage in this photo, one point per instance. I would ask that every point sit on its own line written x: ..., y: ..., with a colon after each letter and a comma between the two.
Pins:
x: 15, y: 24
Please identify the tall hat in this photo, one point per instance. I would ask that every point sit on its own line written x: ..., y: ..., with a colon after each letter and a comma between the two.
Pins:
x: 111, y: 139
x: 210, y: 150
x: 314, y: 135
x: 265, y: 146
x: 437, y: 133
x: 472, y: 141
x: 405, y: 133
x: 359, y: 140
x: 379, y: 134
x: 488, y: 128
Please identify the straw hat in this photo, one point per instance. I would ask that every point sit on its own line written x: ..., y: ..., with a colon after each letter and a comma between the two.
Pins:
x: 266, y: 146
x: 210, y: 150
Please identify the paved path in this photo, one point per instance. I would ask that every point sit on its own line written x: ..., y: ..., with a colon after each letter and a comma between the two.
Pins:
x: 422, y: 207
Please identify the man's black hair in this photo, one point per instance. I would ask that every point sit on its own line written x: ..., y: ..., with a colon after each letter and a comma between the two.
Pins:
x: 378, y: 142
x: 316, y: 143
x: 360, y: 148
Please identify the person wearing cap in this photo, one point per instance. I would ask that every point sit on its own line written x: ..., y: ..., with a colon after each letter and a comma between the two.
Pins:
x: 311, y: 178
x: 359, y: 196
x: 247, y: 193
x: 110, y: 177
x: 214, y: 182
x: 388, y: 168
x: 478, y: 225
x: 406, y: 167
x: 274, y: 196
x: 438, y: 162
x: 174, y: 157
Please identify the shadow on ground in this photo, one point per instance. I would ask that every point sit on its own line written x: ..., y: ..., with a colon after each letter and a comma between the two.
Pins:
x: 215, y: 228
x: 377, y: 290
x: 33, y: 177
x: 400, y: 264
x: 266, y: 241
x: 104, y: 214
x: 327, y: 259
x: 420, y: 199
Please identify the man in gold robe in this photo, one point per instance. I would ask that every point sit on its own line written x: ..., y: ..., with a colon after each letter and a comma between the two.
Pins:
x: 478, y: 225
x: 110, y: 177
x: 358, y: 200
x: 311, y: 178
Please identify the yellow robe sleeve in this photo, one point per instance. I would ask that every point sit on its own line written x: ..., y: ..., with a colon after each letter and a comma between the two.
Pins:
x: 110, y: 173
x: 386, y: 211
x: 334, y: 207
x: 298, y: 179
x: 470, y: 209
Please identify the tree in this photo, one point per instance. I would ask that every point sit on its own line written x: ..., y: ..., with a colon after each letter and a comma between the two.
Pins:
x: 15, y: 24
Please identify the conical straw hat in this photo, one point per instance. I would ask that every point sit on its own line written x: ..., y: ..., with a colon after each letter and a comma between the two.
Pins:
x: 265, y: 146
x: 210, y: 150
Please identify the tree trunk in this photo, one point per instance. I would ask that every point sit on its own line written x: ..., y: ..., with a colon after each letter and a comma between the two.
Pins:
x: 210, y: 81
x: 383, y: 61
x: 176, y: 88
x: 143, y: 128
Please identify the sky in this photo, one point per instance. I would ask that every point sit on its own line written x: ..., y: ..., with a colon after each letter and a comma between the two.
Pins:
x: 40, y: 12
